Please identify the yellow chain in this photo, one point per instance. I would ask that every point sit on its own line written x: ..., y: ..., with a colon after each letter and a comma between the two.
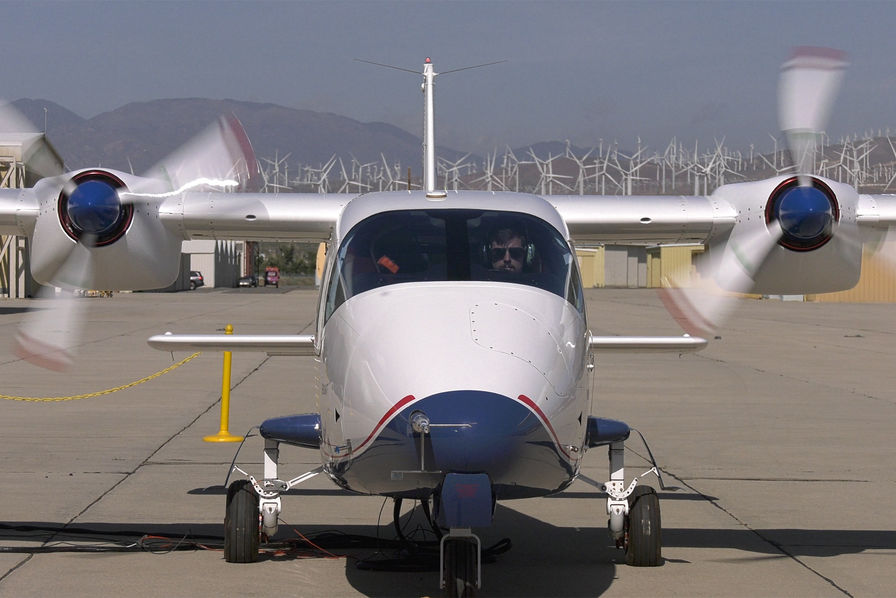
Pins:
x: 101, y: 392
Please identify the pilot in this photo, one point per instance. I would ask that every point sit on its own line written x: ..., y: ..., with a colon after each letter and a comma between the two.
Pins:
x: 507, y: 249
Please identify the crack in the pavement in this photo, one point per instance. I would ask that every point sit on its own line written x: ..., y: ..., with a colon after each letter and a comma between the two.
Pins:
x: 147, y: 461
x: 776, y: 545
x: 823, y: 384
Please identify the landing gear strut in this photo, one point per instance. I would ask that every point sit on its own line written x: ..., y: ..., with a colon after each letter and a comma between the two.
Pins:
x: 634, y: 513
x: 461, y: 562
x: 253, y: 507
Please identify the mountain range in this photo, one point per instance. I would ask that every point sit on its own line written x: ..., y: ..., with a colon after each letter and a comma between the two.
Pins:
x: 137, y: 135
x: 134, y: 137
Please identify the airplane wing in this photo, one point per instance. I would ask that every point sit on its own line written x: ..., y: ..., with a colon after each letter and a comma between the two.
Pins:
x: 789, y: 234
x: 644, y: 219
x: 303, y: 344
x: 272, y: 344
x: 247, y: 216
x: 667, y: 220
x: 155, y: 221
x: 18, y: 211
x: 645, y: 344
x: 306, y: 217
x: 877, y: 211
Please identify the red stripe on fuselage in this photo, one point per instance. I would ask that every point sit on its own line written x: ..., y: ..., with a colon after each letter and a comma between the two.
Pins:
x: 408, y: 399
x: 531, y: 405
x: 383, y: 420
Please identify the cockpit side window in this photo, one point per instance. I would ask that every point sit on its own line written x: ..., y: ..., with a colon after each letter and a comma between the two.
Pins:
x: 575, y: 293
x: 452, y: 245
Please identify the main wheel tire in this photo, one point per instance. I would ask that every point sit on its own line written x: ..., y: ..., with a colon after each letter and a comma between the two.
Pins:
x: 460, y: 568
x: 242, y: 523
x: 192, y: 286
x: 643, y: 529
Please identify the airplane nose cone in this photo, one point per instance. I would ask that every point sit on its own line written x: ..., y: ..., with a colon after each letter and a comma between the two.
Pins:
x: 476, y: 431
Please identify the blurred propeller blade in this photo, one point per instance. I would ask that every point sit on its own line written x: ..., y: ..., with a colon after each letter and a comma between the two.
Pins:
x: 882, y: 249
x: 701, y: 307
x: 218, y: 158
x: 14, y: 123
x: 47, y: 336
x: 807, y: 88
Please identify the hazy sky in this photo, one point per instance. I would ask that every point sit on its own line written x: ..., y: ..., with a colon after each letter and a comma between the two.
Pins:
x: 576, y: 70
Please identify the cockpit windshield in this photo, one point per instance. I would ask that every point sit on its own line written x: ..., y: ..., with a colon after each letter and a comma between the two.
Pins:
x: 453, y: 245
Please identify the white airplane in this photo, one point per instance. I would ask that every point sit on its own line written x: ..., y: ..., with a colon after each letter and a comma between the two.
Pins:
x: 454, y: 350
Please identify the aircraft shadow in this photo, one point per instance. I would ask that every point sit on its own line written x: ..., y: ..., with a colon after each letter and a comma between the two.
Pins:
x: 4, y: 311
x: 222, y: 491
x: 663, y: 496
x: 219, y: 490
x: 545, y: 560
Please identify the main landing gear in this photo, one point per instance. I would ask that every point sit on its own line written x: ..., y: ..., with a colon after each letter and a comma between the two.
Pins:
x: 253, y: 507
x: 642, y: 539
x: 634, y: 514
x: 242, y: 523
x: 634, y: 510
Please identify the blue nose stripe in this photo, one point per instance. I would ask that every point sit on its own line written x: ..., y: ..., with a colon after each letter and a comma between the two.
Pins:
x: 483, y: 432
x: 471, y: 432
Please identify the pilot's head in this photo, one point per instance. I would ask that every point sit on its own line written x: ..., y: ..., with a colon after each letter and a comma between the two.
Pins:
x: 507, y: 249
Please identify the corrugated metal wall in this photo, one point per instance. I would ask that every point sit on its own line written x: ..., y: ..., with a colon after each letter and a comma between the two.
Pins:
x: 620, y: 267
x: 663, y: 262
x: 632, y: 266
x: 625, y: 266
x: 591, y: 263
x: 877, y: 284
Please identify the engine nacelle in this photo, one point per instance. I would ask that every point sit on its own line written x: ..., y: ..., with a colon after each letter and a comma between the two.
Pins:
x: 87, y: 236
x: 790, y: 239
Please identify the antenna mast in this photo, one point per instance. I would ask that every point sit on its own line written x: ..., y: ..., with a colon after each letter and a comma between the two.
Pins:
x: 429, y: 140
x: 429, y: 135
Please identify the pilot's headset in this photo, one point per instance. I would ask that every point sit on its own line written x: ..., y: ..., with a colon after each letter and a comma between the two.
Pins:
x: 502, y: 233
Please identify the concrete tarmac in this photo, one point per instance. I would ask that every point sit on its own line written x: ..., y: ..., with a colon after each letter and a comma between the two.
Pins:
x: 779, y: 436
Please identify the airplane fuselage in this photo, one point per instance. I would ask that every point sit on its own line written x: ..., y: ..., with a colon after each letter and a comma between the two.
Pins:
x: 494, y: 360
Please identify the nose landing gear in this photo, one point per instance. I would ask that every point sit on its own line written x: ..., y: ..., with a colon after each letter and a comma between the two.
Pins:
x: 461, y: 558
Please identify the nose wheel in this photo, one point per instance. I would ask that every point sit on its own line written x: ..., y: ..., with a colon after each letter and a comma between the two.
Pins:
x: 242, y: 523
x: 460, y: 568
x: 642, y: 527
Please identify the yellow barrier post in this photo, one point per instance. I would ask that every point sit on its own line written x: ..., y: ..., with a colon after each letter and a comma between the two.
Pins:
x: 224, y: 434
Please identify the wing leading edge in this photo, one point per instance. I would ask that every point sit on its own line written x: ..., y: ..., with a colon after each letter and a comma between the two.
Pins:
x: 272, y: 344
x: 646, y: 219
x: 646, y: 344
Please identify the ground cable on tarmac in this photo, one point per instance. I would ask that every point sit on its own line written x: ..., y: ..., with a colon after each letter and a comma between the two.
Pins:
x: 89, y: 395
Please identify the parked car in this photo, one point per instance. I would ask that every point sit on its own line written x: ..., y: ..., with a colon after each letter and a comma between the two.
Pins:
x: 196, y: 279
x: 272, y: 276
x: 248, y: 281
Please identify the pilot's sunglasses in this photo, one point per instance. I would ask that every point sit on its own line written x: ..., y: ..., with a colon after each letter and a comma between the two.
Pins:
x: 516, y: 253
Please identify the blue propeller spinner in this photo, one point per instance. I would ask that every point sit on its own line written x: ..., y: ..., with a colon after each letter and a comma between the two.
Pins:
x: 805, y: 213
x: 93, y: 208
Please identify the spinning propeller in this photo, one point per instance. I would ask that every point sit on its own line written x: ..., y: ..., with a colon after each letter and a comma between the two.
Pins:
x: 802, y: 213
x: 103, y: 213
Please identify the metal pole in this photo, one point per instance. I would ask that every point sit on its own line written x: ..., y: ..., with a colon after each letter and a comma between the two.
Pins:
x: 429, y: 142
x: 224, y: 434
